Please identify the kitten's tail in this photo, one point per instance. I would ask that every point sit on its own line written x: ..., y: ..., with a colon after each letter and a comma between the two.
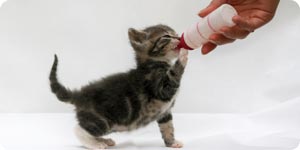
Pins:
x: 61, y: 92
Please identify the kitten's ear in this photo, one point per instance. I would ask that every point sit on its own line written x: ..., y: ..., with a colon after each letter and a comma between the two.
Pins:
x: 137, y: 38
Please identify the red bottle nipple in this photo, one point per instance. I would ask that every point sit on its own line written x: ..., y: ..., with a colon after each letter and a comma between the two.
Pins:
x: 182, y: 44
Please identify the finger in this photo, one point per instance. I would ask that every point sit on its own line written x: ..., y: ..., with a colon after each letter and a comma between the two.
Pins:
x: 208, y: 47
x: 234, y: 32
x: 220, y: 39
x: 248, y: 24
x: 211, y: 7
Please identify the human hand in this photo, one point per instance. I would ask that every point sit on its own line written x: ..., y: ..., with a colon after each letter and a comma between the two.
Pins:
x: 252, y: 14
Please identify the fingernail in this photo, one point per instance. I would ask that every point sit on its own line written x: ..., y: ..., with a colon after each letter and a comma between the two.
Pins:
x: 200, y: 13
x: 205, y: 52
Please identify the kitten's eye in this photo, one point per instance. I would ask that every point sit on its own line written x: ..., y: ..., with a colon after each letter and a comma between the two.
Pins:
x: 163, y: 42
x: 171, y: 37
x: 167, y: 36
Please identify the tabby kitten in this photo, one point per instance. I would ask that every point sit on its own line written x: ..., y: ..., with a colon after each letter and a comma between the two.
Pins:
x: 128, y: 101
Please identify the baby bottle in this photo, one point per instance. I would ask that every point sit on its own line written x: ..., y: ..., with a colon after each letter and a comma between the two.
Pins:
x: 198, y: 34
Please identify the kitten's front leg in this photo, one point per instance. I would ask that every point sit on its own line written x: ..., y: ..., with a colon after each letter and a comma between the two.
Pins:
x: 183, y: 57
x: 166, y: 81
x: 178, y: 68
x: 167, y: 131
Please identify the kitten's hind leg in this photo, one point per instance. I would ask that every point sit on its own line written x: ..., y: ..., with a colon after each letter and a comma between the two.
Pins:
x: 109, y: 142
x: 90, y: 130
x: 88, y: 140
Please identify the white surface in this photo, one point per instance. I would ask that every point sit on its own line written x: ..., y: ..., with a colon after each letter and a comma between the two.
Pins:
x: 90, y: 38
x: 277, y: 128
x: 250, y: 75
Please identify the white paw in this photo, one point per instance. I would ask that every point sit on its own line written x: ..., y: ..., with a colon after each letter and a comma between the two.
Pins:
x: 177, y: 144
x: 183, y: 57
x: 99, y: 146
x: 109, y: 142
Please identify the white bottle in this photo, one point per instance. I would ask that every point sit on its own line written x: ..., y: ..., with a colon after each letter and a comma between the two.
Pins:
x: 198, y: 34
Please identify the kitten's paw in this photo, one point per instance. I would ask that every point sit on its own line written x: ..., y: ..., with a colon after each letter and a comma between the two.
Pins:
x: 99, y: 146
x: 183, y: 57
x: 176, y: 144
x: 109, y: 142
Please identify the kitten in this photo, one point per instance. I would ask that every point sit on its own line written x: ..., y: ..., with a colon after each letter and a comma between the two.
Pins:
x: 128, y: 101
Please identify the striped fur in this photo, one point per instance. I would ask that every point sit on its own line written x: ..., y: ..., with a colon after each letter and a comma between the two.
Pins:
x: 130, y: 100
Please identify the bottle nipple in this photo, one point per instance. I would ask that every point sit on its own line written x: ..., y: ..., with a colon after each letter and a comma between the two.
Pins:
x: 182, y: 44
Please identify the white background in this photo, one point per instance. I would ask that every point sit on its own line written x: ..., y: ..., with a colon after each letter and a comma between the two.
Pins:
x: 90, y: 38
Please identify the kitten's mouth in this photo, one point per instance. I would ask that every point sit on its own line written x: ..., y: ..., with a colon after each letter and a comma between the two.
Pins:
x: 177, y: 50
x: 175, y: 46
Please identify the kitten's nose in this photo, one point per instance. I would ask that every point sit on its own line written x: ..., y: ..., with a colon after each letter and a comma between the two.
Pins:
x: 176, y: 41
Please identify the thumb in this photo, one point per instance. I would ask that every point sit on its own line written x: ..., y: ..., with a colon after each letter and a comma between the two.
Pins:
x: 214, y: 4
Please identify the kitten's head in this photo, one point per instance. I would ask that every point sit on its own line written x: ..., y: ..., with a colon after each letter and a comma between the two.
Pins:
x: 157, y: 42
